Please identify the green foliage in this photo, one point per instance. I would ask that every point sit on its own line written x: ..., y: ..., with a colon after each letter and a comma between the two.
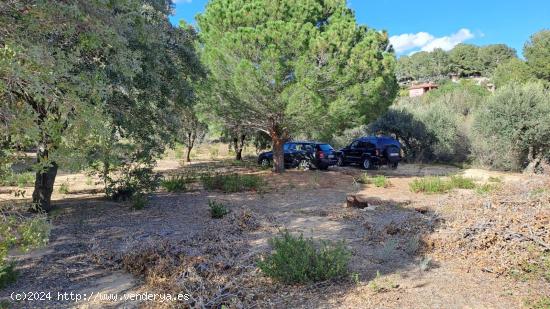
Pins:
x: 465, y: 60
x: 23, y: 233
x: 424, y: 66
x: 434, y: 127
x: 64, y: 188
x: 542, y: 303
x: 429, y: 185
x: 132, y: 180
x: 8, y: 274
x: 174, y: 184
x: 217, y: 209
x: 512, y: 71
x: 299, y: 260
x: 139, y: 201
x: 364, y: 179
x: 491, y: 56
x: 512, y: 129
x: 282, y: 65
x: 537, y: 53
x: 17, y: 179
x: 439, y: 185
x: 462, y: 182
x: 82, y: 79
x: 486, y: 188
x: 381, y: 181
x: 233, y: 182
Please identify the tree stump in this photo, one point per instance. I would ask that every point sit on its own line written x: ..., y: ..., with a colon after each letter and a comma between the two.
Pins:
x: 353, y: 200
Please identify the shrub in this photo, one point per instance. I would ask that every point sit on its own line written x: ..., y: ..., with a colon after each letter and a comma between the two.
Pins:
x: 381, y: 181
x: 217, y: 210
x: 17, y: 179
x: 299, y: 260
x: 461, y: 182
x: 512, y: 129
x: 64, y: 188
x: 232, y: 182
x: 134, y: 180
x: 139, y: 201
x: 439, y: 185
x: 364, y: 179
x: 485, y: 188
x: 429, y: 185
x: 8, y: 274
x: 174, y: 184
x: 24, y: 233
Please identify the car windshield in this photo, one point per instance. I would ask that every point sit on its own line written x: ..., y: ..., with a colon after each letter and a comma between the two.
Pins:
x: 289, y: 146
x: 325, y: 147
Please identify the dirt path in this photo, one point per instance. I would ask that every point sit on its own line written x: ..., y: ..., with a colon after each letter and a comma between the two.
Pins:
x: 390, y: 269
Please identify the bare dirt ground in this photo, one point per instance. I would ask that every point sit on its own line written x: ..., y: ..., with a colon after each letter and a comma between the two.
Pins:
x: 409, y: 250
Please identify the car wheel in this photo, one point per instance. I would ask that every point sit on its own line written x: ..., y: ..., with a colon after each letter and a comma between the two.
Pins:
x: 394, y: 165
x: 265, y: 162
x: 304, y: 165
x: 367, y: 164
x: 340, y: 161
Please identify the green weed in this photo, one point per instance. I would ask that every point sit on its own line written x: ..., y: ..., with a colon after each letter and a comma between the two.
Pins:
x: 299, y: 260
x: 174, y: 184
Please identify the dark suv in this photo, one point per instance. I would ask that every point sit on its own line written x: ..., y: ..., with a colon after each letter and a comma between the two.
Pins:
x: 304, y: 154
x: 371, y: 152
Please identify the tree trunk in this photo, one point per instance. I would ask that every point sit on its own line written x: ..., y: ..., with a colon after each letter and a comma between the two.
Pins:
x: 278, y: 153
x: 238, y: 145
x: 239, y: 154
x: 43, y: 185
x: 188, y: 156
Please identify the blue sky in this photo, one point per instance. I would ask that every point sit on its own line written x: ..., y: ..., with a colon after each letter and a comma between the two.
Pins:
x: 428, y: 24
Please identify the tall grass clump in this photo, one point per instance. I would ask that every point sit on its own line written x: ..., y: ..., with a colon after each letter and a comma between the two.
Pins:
x: 429, y: 185
x: 233, y: 182
x: 174, y: 184
x: 432, y: 184
x: 299, y: 260
x: 217, y: 209
x: 381, y: 181
x: 21, y: 180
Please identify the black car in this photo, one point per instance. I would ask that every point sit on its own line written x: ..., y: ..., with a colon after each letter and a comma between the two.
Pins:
x: 304, y: 154
x: 371, y: 152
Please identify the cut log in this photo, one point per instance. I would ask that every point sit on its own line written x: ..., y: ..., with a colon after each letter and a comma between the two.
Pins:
x: 353, y: 200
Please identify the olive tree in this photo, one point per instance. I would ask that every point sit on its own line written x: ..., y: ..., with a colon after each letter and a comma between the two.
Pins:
x: 82, y: 79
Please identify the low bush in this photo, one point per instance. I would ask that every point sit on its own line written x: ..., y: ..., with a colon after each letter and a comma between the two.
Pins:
x: 511, y: 131
x: 133, y: 181
x: 364, y: 179
x: 381, y: 181
x: 233, y: 182
x: 139, y: 201
x: 23, y: 233
x: 460, y: 182
x: 18, y: 179
x: 429, y: 185
x: 174, y: 184
x: 8, y: 274
x: 485, y: 188
x: 439, y: 185
x: 299, y: 260
x: 217, y: 210
x: 64, y: 188
x: 543, y: 303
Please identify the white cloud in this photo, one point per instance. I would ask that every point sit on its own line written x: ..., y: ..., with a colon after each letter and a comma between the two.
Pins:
x: 408, y: 41
x: 427, y: 42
